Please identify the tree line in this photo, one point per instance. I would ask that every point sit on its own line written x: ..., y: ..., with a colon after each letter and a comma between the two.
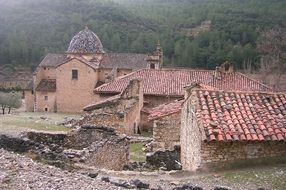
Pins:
x: 32, y: 28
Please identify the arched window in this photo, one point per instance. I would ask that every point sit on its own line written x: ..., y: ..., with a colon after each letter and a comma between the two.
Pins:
x: 152, y: 66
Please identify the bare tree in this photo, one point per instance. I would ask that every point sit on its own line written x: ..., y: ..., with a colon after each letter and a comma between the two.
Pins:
x: 10, y: 100
x: 272, y: 62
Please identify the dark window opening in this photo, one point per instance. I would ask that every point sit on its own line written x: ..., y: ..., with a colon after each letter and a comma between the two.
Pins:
x: 74, y: 74
x: 32, y: 92
x: 152, y: 66
x: 46, y: 97
x: 46, y: 109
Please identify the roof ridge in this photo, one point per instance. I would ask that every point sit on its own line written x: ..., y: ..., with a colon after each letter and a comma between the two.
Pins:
x: 241, y: 92
x: 254, y: 80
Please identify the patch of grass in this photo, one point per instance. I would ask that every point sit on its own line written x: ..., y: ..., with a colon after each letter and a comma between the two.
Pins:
x: 146, y: 134
x: 136, y: 152
x: 26, y: 120
x: 273, y: 178
x: 36, y: 126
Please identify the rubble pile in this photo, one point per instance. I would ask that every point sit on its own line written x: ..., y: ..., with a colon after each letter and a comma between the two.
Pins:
x: 19, y: 172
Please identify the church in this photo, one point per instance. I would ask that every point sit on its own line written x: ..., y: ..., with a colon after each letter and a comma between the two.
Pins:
x: 66, y: 82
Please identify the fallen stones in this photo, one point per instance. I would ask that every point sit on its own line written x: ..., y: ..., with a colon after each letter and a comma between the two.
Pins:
x: 165, y: 160
x: 141, y: 185
x: 222, y: 188
x: 105, y: 179
x: 93, y: 175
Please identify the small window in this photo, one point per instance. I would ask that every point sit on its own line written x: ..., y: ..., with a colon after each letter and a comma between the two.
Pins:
x: 46, y: 109
x: 74, y: 74
x: 32, y: 92
x: 152, y: 66
x: 46, y: 98
x: 45, y: 68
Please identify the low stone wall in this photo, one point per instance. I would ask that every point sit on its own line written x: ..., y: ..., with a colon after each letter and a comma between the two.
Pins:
x: 166, y: 132
x: 230, y: 154
x: 95, y: 146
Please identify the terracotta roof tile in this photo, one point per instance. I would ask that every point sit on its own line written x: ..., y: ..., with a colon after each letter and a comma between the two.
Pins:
x: 48, y: 85
x: 171, y: 82
x: 165, y: 110
x: 252, y: 121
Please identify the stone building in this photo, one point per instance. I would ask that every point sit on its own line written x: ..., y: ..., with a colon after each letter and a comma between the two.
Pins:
x: 167, y: 85
x: 121, y: 112
x: 228, y: 128
x: 65, y: 82
x: 166, y: 120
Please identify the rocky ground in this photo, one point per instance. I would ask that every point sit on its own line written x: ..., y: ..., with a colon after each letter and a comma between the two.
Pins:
x: 19, y: 172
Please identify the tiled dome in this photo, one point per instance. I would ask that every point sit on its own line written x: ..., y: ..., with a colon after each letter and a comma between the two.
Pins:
x: 85, y: 41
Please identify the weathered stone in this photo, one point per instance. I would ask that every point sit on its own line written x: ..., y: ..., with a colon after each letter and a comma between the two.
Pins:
x: 105, y: 179
x: 93, y: 175
x: 167, y: 159
x: 140, y: 184
x: 222, y: 188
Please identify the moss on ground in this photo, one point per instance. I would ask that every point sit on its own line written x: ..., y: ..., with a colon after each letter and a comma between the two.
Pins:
x: 136, y: 152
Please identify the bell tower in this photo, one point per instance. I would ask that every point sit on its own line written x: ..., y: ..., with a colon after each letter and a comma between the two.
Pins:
x: 155, y: 61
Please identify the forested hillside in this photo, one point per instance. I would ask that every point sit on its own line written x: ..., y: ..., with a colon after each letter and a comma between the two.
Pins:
x: 31, y: 28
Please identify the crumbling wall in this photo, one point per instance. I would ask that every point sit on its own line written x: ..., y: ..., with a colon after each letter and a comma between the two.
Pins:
x: 166, y: 132
x: 190, y: 137
x: 95, y: 146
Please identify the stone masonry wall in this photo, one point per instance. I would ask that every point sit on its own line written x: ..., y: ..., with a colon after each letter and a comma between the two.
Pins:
x: 227, y: 152
x: 166, y: 132
x: 190, y: 137
x: 95, y: 146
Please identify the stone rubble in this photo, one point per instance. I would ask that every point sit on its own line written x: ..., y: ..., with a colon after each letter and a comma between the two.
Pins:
x: 19, y: 172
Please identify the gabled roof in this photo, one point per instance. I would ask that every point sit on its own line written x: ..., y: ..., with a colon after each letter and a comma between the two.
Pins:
x: 170, y: 82
x: 241, y: 116
x: 48, y: 85
x: 92, y: 64
x: 53, y: 60
x: 132, y: 61
x: 165, y: 110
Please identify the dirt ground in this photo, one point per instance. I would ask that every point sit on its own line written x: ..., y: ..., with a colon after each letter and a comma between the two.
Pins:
x: 18, y: 122
x: 269, y: 177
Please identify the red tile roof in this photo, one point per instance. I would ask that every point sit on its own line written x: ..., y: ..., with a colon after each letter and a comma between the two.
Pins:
x: 48, y: 85
x: 165, y: 110
x: 242, y: 116
x: 170, y: 82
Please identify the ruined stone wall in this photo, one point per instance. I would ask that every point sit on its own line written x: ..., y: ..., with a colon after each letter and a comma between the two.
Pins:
x: 95, y: 146
x: 104, y: 118
x: 132, y: 119
x: 190, y: 137
x: 145, y: 125
x: 122, y: 72
x: 231, y: 152
x: 29, y: 100
x: 42, y: 103
x: 153, y: 101
x: 166, y: 132
x: 103, y: 74
x: 73, y: 95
